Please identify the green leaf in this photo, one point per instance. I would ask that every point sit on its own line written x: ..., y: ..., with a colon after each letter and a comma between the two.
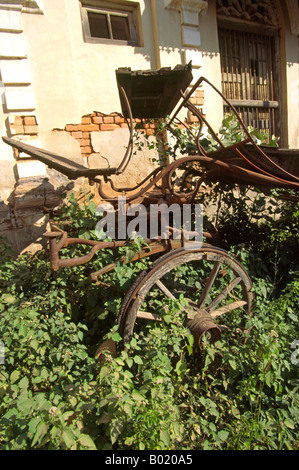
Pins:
x: 115, y: 430
x: 128, y: 409
x: 223, y: 435
x: 80, y: 335
x: 26, y: 404
x: 23, y: 330
x: 40, y: 432
x: 24, y: 383
x: 233, y: 364
x: 67, y: 415
x: 44, y: 373
x: 137, y: 396
x: 138, y: 360
x: 289, y: 423
x: 34, y: 344
x: 116, y: 337
x: 8, y: 299
x: 86, y: 441
x: 129, y: 361
x: 14, y: 376
x: 165, y: 437
x: 105, y: 418
x: 92, y: 207
x: 268, y: 378
x: 104, y: 372
x: 85, y: 234
x: 32, y: 425
x: 181, y: 368
x: 68, y: 438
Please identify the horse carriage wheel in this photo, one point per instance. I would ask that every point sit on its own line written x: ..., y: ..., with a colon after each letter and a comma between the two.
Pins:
x: 213, y: 282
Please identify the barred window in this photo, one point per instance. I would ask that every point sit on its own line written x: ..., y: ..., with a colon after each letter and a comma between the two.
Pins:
x: 111, y: 22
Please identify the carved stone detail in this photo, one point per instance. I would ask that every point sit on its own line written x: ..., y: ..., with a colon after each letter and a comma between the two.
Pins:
x: 259, y: 11
x: 193, y: 6
x: 30, y: 6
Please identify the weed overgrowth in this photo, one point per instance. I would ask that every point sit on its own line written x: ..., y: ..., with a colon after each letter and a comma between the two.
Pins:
x: 240, y: 393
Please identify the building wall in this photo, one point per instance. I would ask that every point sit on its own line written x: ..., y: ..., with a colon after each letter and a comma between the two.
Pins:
x: 292, y: 79
x: 60, y: 93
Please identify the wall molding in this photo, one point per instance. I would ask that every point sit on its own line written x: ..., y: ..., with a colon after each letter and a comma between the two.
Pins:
x: 190, y: 10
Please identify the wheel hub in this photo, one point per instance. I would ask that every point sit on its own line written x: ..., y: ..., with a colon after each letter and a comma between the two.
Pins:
x: 203, y: 324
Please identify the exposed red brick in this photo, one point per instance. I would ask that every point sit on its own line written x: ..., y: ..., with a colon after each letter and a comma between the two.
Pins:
x: 108, y: 120
x: 197, y: 101
x: 31, y: 129
x: 85, y: 135
x: 86, y: 150
x: 199, y: 93
x: 192, y: 118
x: 90, y: 127
x: 84, y: 142
x: 30, y: 121
x: 18, y: 121
x: 17, y: 130
x: 97, y: 120
x: 77, y: 135
x: 109, y: 127
x: 119, y: 119
x: 86, y: 120
x: 73, y: 127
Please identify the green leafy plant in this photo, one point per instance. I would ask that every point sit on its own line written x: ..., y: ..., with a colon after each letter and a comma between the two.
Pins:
x: 159, y: 392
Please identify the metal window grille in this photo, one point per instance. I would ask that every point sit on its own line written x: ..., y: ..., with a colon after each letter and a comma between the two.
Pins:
x: 248, y: 74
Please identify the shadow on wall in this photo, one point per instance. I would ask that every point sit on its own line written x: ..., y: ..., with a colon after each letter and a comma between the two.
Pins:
x: 24, y: 218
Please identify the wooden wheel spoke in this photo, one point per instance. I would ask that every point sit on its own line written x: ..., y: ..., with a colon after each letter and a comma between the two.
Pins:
x: 189, y: 310
x: 228, y: 308
x: 209, y: 284
x: 139, y: 301
x: 148, y: 315
x: 223, y: 294
x: 164, y: 289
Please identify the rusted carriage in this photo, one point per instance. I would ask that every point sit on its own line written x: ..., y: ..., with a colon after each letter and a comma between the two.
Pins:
x: 223, y: 286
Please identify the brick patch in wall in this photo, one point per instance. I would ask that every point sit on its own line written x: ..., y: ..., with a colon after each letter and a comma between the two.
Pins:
x: 99, y: 122
x: 26, y: 127
x: 197, y: 100
x: 23, y: 126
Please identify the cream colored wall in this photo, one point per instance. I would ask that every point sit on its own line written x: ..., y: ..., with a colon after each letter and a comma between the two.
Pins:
x: 211, y: 65
x: 72, y: 78
x: 292, y: 75
x: 68, y: 78
x: 170, y: 37
x: 7, y: 163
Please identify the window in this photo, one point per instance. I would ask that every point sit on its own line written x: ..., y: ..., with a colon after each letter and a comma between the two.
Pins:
x: 111, y: 22
x: 249, y: 77
x: 249, y: 47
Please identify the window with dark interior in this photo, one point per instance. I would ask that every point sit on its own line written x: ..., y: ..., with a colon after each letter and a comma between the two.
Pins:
x: 248, y: 35
x: 111, y: 22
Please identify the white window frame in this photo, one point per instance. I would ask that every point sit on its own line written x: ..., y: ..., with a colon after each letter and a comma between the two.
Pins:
x: 128, y: 9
